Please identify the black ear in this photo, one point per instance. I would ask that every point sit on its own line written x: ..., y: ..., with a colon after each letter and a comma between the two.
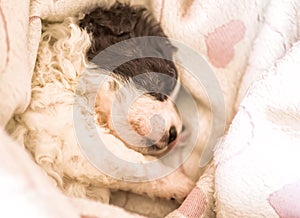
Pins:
x: 117, y: 20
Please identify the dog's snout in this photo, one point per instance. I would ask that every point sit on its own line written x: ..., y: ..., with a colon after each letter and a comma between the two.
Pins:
x: 157, y: 124
x: 172, y: 134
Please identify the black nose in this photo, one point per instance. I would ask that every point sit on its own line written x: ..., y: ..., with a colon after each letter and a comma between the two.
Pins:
x: 172, y: 134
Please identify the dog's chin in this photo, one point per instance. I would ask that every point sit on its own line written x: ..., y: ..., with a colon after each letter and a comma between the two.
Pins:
x: 156, y: 151
x: 152, y: 150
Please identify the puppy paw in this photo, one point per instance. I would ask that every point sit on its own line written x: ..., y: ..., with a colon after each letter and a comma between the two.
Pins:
x: 179, y: 186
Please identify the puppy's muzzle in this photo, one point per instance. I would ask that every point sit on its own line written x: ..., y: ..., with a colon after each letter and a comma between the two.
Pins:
x: 160, y: 127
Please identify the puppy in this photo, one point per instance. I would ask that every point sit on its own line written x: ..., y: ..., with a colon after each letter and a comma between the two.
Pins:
x: 47, y: 127
x: 153, y: 115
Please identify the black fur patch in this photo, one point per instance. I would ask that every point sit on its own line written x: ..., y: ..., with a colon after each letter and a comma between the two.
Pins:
x: 121, y: 22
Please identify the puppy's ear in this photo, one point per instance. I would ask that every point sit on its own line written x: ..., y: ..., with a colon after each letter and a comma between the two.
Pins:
x: 117, y: 20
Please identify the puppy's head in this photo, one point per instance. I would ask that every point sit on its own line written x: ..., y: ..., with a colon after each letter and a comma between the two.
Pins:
x: 143, y: 115
x: 145, y: 122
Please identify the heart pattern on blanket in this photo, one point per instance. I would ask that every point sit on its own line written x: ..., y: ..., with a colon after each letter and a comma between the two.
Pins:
x: 194, y: 205
x: 220, y: 43
x: 286, y: 201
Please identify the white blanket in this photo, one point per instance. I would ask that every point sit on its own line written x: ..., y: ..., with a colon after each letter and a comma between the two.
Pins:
x: 248, y: 44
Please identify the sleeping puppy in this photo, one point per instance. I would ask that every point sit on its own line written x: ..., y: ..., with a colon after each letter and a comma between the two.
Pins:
x: 47, y: 127
x: 153, y: 115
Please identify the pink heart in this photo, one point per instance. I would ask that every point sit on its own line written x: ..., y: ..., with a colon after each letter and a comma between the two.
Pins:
x: 194, y: 205
x: 286, y: 201
x: 220, y: 43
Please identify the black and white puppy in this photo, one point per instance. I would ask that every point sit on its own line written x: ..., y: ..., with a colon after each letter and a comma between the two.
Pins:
x: 153, y: 115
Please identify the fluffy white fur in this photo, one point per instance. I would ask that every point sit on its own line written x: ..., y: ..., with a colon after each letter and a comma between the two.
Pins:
x: 47, y: 130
